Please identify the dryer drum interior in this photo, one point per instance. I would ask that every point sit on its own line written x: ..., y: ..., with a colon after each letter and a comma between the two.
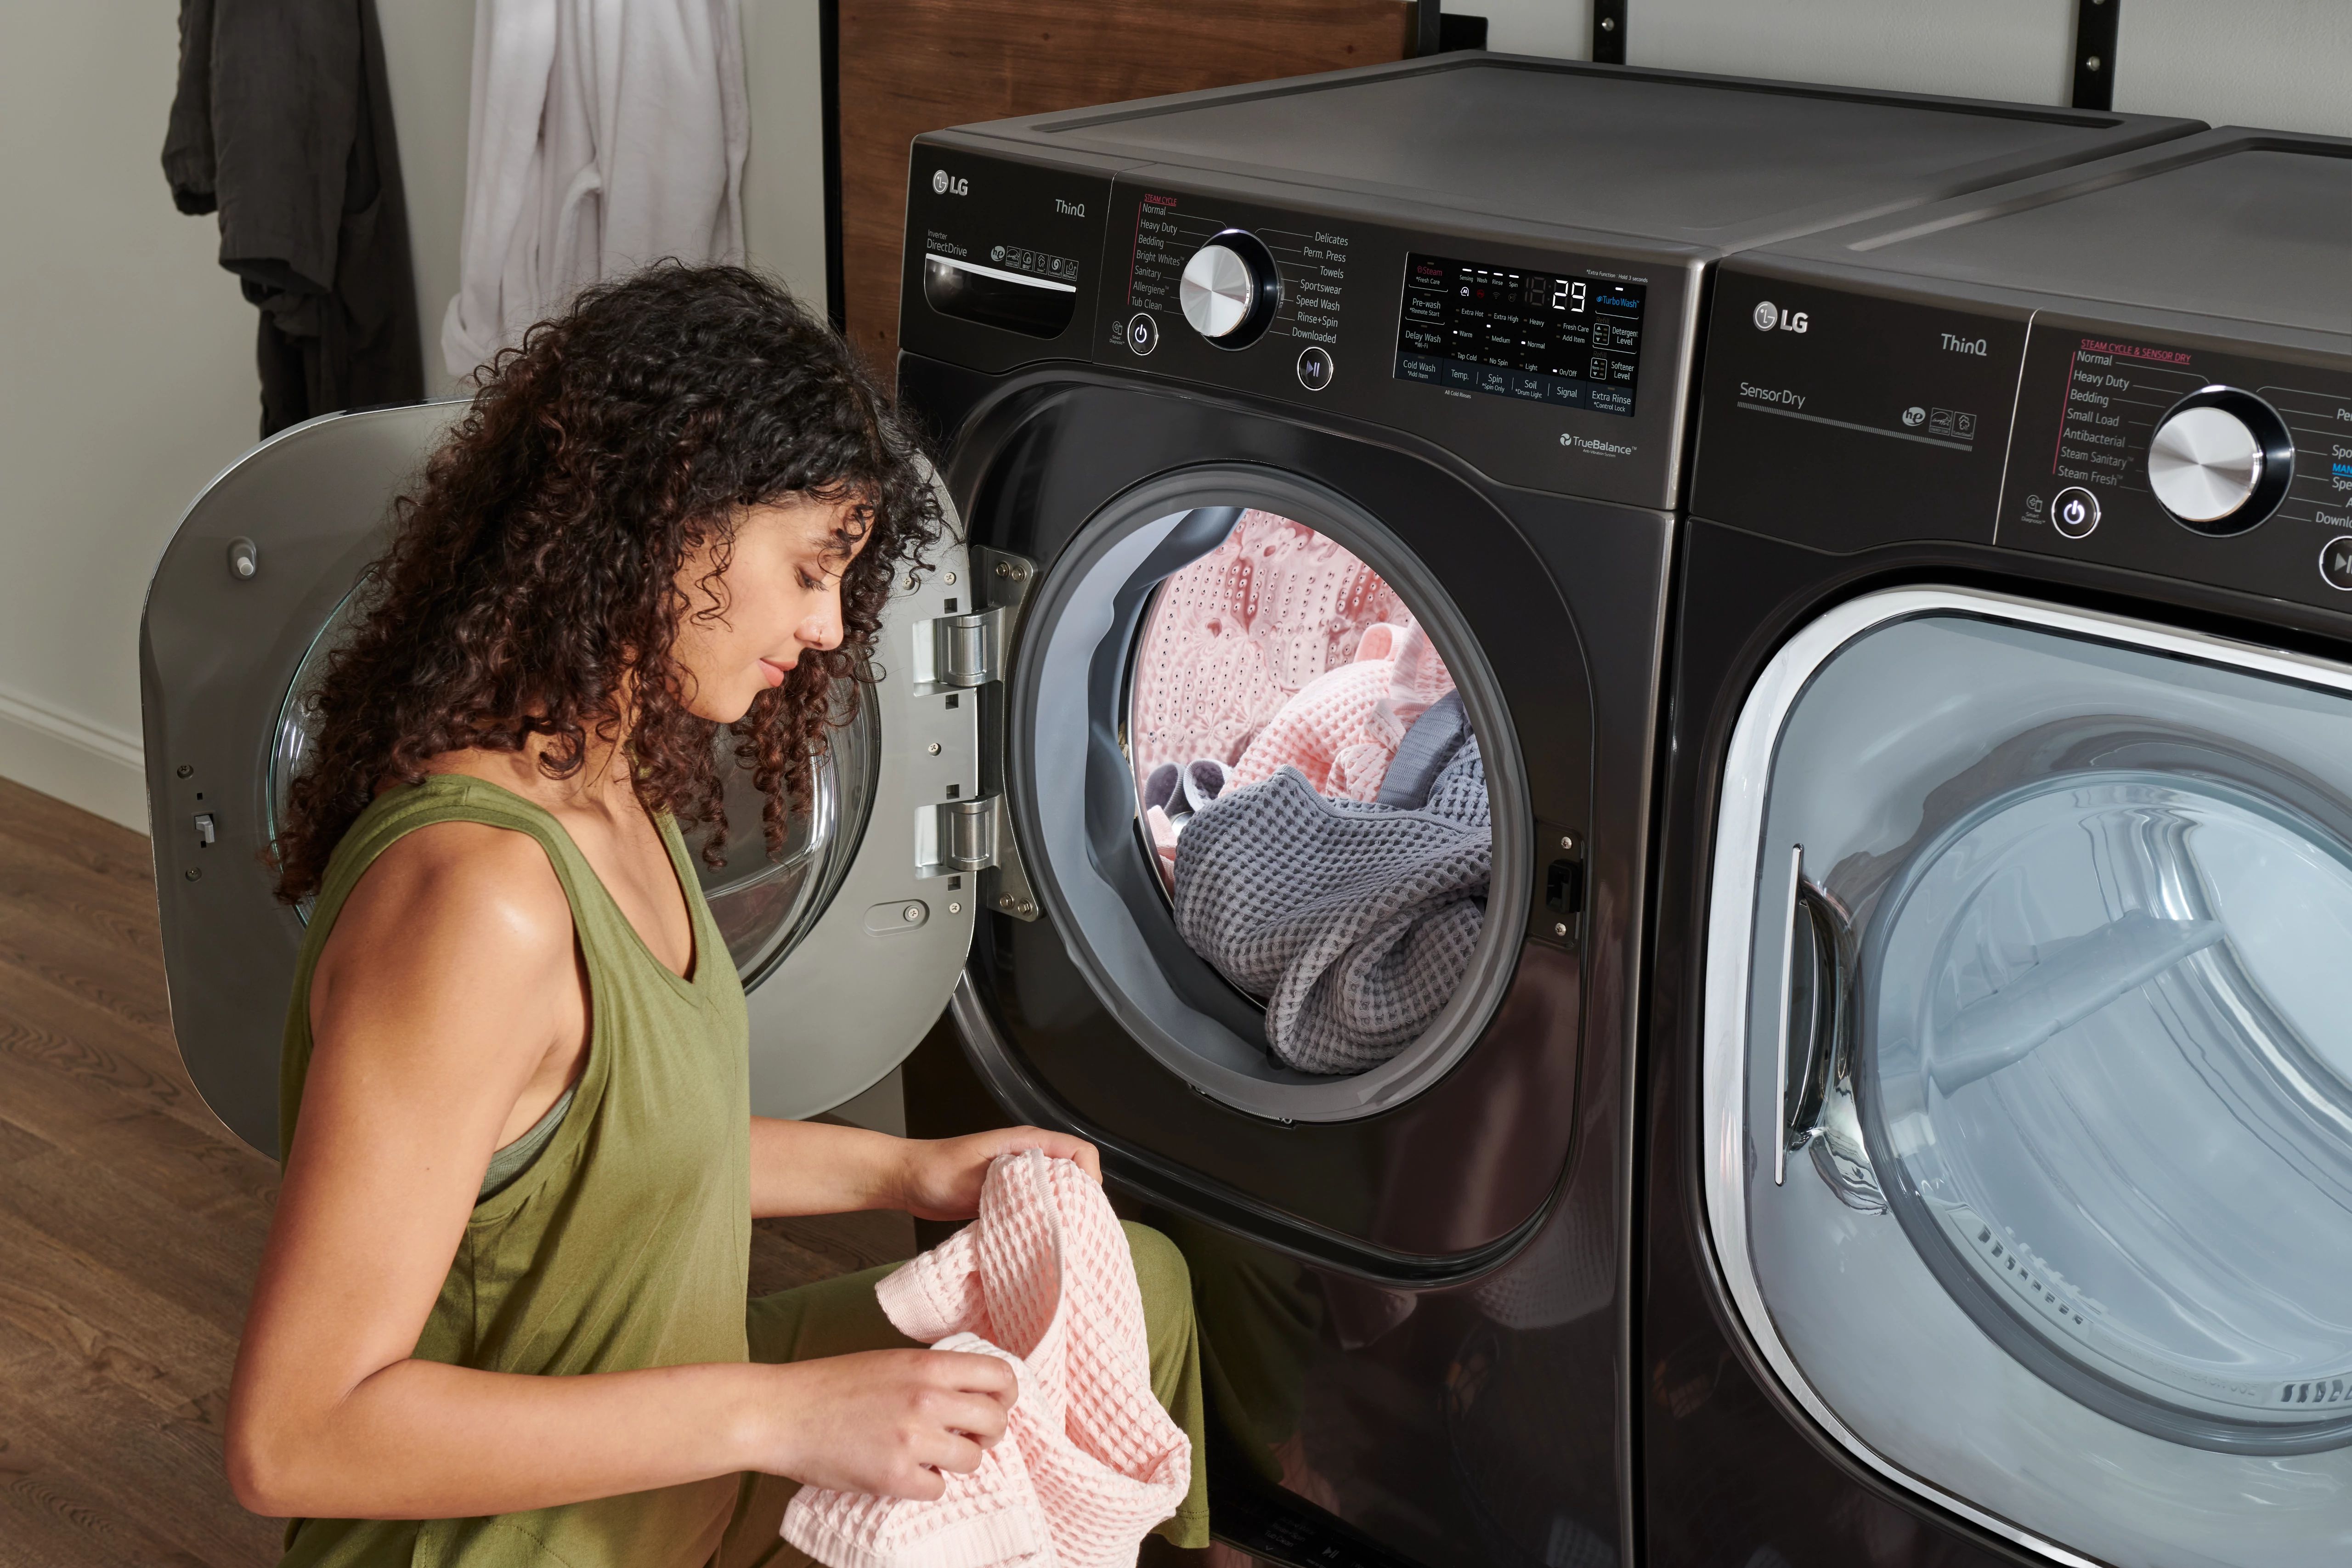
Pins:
x: 1276, y: 864
x: 2065, y: 1166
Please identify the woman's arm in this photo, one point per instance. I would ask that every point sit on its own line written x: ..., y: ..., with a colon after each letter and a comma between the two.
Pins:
x: 818, y: 1167
x: 450, y: 980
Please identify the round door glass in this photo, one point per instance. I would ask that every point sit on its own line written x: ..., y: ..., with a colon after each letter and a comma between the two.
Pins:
x: 2107, y: 1055
x: 1308, y: 791
x: 763, y: 904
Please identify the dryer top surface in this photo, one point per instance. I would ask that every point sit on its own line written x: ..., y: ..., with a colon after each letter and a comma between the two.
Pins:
x: 1712, y: 162
x: 2239, y: 225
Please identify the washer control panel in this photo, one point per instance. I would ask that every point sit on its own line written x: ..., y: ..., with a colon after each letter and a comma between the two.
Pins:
x: 1544, y: 365
x: 2184, y: 455
x: 1526, y: 361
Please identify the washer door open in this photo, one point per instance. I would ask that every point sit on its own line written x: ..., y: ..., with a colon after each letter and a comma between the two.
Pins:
x: 2029, y: 1073
x: 848, y: 943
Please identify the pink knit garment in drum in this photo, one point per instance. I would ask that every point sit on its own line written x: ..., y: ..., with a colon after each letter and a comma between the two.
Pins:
x: 1234, y: 636
x: 1089, y: 1460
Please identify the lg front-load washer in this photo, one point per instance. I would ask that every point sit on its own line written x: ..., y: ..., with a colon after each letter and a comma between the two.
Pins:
x: 1226, y: 383
x: 2000, y: 1107
x: 1264, y: 772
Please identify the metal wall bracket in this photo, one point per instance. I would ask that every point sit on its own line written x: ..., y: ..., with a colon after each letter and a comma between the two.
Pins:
x: 1608, y: 32
x: 2096, y: 22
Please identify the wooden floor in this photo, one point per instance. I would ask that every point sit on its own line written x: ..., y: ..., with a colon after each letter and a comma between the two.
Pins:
x: 131, y: 1221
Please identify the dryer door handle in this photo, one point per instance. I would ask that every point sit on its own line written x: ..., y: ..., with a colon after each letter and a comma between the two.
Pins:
x: 1815, y: 1105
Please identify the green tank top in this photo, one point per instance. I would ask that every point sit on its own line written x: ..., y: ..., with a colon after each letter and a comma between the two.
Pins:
x: 625, y: 1242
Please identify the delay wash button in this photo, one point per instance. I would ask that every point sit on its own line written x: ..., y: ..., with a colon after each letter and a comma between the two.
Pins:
x: 2075, y: 513
x: 1315, y: 369
x: 1143, y: 332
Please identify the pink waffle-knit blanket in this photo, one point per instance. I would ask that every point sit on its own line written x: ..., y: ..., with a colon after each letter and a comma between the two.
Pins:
x: 1089, y: 1461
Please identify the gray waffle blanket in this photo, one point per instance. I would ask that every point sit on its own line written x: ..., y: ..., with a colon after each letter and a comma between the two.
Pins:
x: 1355, y: 922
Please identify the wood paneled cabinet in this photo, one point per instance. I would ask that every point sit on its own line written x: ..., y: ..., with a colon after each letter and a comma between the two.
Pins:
x: 910, y: 66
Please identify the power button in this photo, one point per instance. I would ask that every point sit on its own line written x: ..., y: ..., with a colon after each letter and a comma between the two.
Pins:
x: 1142, y: 332
x: 2075, y: 513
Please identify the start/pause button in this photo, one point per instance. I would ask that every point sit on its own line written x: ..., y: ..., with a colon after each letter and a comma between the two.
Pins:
x: 1315, y: 369
x: 2335, y: 563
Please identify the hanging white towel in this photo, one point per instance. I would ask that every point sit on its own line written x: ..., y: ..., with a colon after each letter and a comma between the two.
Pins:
x: 606, y: 134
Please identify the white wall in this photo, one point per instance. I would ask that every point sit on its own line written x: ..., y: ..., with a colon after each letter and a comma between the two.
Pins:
x: 783, y: 174
x: 126, y: 382
x: 428, y: 52
x: 2284, y: 64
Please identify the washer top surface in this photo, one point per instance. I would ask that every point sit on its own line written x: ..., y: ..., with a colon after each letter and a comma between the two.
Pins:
x: 1712, y: 162
x: 2237, y: 224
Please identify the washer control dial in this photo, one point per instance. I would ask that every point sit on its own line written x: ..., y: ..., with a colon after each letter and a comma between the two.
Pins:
x: 2220, y: 460
x: 1230, y: 289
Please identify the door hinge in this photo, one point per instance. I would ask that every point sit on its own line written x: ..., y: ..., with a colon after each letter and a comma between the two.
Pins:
x: 965, y: 837
x: 968, y: 650
x: 969, y: 836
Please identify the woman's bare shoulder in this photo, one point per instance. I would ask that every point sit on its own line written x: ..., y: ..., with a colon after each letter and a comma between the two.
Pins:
x: 465, y: 894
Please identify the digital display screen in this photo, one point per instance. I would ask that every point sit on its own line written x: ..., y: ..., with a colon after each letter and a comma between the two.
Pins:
x: 1546, y: 337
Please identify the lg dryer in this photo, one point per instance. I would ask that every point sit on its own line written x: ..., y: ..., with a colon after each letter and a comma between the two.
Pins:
x: 2000, y: 1107
x: 1226, y: 383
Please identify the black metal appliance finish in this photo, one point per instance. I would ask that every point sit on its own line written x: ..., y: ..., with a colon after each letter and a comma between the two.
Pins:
x: 1431, y: 1290
x: 1916, y: 401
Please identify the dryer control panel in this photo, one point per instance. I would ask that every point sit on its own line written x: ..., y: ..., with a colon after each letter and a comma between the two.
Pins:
x: 1843, y: 420
x: 2183, y: 455
x: 1844, y: 416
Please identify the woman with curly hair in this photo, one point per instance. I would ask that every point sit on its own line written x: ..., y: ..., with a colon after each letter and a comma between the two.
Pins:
x: 501, y: 1317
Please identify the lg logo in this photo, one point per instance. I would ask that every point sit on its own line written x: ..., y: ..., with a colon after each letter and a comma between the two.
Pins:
x: 1768, y: 316
x: 946, y: 185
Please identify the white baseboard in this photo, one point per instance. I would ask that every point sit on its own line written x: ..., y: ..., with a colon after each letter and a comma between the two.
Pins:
x: 93, y: 766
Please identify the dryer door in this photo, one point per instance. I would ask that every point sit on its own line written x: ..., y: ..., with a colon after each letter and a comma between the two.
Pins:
x: 249, y: 598
x: 2029, y: 1069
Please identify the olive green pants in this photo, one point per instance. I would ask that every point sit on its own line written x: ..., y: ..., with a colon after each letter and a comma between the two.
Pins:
x: 840, y: 1316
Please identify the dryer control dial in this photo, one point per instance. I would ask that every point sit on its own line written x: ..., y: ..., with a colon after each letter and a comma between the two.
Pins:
x: 1230, y: 289
x: 2220, y: 460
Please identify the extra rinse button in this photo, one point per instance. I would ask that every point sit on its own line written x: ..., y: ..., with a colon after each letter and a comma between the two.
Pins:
x: 1143, y: 332
x: 2076, y: 513
x: 1315, y: 369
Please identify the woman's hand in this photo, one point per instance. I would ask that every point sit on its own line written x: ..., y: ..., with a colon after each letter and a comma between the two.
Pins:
x: 887, y: 1423
x: 941, y: 1178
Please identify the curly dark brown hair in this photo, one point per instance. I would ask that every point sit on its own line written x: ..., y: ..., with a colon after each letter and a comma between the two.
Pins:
x: 531, y: 584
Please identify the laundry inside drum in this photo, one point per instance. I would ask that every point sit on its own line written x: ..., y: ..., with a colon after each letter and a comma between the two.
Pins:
x: 1310, y: 791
